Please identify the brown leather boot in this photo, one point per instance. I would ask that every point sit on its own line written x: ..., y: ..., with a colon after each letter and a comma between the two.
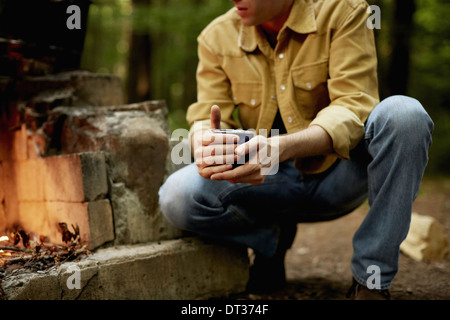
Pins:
x: 359, y: 292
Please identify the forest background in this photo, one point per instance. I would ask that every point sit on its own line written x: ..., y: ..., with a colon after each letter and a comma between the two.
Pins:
x: 151, y: 45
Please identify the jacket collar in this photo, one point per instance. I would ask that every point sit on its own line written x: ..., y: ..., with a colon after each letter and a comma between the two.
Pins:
x: 301, y: 20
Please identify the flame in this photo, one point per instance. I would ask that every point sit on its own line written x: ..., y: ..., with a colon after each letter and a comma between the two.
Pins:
x: 3, y: 253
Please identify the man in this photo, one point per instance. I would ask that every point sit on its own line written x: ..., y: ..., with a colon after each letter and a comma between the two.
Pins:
x: 308, y: 69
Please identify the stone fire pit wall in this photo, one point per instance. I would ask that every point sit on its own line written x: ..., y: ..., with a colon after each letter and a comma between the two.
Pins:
x: 134, y: 140
x: 71, y: 151
x: 83, y: 157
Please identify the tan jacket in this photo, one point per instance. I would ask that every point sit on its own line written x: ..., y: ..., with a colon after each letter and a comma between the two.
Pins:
x: 322, y: 72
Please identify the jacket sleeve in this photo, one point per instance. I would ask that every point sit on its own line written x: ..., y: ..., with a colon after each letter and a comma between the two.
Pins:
x: 352, y: 84
x: 213, y: 88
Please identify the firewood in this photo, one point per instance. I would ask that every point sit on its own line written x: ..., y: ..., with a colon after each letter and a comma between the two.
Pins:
x: 12, y: 248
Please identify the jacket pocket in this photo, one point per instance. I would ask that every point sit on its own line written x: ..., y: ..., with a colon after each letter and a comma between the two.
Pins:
x: 247, y: 97
x: 310, y: 88
x: 247, y: 94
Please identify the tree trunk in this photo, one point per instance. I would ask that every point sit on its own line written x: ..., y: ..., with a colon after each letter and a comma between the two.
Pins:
x: 401, y: 31
x: 139, y: 57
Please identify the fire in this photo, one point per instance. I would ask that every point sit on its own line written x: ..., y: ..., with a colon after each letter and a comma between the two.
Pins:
x: 3, y: 253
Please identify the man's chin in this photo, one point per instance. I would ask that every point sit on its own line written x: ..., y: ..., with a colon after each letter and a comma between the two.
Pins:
x: 247, y: 22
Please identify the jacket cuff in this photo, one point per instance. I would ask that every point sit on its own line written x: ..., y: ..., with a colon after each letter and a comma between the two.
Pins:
x: 343, y: 126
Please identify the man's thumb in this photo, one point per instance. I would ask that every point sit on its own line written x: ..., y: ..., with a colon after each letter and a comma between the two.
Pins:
x: 215, y: 117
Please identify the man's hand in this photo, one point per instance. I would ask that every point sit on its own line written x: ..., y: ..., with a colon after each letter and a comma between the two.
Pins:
x: 267, y: 153
x: 214, y: 153
x: 263, y: 160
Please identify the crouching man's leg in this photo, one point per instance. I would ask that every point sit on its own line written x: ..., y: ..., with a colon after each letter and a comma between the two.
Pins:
x: 398, y: 135
x: 235, y: 213
x: 193, y: 203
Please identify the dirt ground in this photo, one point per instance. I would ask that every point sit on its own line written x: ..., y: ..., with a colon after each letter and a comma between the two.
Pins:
x: 318, y: 264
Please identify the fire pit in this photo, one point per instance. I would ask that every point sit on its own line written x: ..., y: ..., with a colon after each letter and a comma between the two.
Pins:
x: 80, y: 173
x: 79, y: 177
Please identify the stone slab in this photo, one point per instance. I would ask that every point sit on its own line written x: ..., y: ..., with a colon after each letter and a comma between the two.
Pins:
x: 186, y: 268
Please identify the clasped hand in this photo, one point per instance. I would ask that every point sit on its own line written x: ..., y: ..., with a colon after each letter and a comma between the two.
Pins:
x: 215, y: 154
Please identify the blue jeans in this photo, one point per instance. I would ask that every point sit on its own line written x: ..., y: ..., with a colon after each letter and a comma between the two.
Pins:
x: 386, y: 167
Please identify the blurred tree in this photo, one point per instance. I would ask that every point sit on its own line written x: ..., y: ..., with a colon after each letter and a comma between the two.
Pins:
x: 106, y: 46
x: 400, y: 34
x: 173, y: 27
x: 430, y: 74
x: 138, y: 87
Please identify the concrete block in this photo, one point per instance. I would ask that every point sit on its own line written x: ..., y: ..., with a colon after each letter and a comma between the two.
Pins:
x: 71, y: 178
x: 131, y: 224
x: 45, y: 287
x: 73, y: 88
x: 101, y: 225
x: 94, y: 220
x: 97, y: 89
x: 95, y: 181
x: 30, y: 179
x: 63, y: 178
x: 75, y: 177
x: 42, y: 218
x: 175, y: 269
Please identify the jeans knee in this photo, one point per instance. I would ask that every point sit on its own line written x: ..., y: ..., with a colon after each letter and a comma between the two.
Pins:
x: 404, y: 116
x: 172, y: 201
x: 166, y: 205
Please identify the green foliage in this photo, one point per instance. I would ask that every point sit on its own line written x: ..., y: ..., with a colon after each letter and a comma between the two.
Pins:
x: 106, y: 43
x: 430, y: 75
x: 174, y: 26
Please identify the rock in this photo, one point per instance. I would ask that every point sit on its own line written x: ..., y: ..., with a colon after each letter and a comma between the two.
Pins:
x: 425, y: 239
x: 74, y: 88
